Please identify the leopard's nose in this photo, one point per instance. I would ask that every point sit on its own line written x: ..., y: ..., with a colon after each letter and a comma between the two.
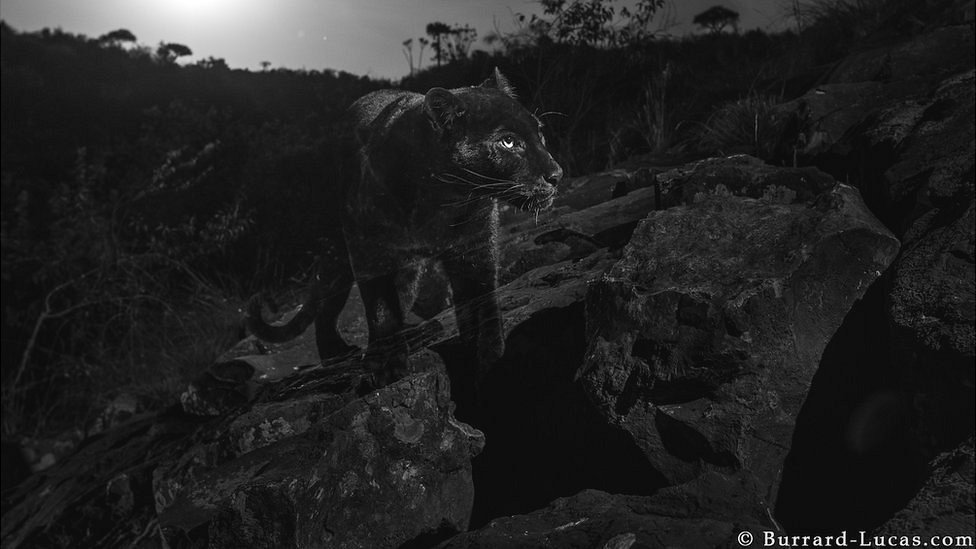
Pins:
x: 555, y: 174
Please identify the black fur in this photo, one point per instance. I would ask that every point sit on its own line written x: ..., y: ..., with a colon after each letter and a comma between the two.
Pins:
x: 430, y: 171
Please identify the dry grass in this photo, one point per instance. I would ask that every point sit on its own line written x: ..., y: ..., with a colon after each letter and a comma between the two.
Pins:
x: 747, y: 126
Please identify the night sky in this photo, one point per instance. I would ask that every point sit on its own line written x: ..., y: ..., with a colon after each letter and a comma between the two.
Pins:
x: 358, y: 36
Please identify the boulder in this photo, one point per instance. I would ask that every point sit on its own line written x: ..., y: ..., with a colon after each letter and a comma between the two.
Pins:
x: 314, y: 460
x: 828, y: 112
x: 327, y: 470
x: 932, y: 295
x: 705, y: 336
x: 591, y: 212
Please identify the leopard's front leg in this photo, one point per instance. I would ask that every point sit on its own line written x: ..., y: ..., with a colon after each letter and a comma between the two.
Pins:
x: 474, y: 285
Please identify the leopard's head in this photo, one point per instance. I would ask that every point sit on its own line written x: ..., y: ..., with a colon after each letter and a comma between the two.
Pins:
x: 491, y: 145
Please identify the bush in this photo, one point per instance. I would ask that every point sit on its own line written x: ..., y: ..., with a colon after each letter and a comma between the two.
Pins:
x: 104, y: 302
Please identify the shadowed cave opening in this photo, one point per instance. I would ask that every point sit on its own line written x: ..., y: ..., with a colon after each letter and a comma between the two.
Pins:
x: 853, y: 462
x: 544, y: 440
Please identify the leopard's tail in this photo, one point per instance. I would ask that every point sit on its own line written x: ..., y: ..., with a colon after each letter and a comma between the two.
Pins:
x: 278, y: 333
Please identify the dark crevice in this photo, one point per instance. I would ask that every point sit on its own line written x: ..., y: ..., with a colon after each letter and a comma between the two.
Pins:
x: 544, y: 440
x: 616, y: 237
x: 853, y: 462
x: 864, y: 167
x: 730, y: 326
x: 701, y: 375
x: 564, y: 235
x: 939, y: 111
x: 688, y: 444
x: 631, y: 392
x: 692, y: 312
x: 680, y: 391
x: 651, y: 350
x: 620, y: 189
x: 432, y: 538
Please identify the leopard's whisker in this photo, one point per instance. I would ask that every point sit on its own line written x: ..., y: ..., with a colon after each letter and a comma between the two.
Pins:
x: 458, y: 180
x: 464, y: 201
x: 487, y: 177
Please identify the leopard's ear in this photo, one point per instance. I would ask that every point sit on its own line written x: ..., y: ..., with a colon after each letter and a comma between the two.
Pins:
x: 442, y: 107
x: 498, y: 81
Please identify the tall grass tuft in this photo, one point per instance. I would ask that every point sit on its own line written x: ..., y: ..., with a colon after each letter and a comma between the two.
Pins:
x: 747, y: 126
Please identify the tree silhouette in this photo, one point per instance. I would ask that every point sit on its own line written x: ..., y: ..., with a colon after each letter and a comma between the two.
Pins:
x: 716, y: 18
x: 449, y: 43
x: 169, y: 52
x: 438, y: 33
x: 213, y: 63
x: 117, y: 37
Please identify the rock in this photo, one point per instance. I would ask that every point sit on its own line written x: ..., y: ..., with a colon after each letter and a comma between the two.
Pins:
x: 934, y: 137
x: 932, y: 295
x: 707, y: 513
x: 829, y: 111
x: 740, y: 175
x: 853, y: 461
x: 932, y: 299
x: 580, y: 223
x: 580, y: 193
x: 905, y: 140
x: 314, y: 460
x: 926, y: 195
x: 224, y: 386
x: 377, y: 471
x: 898, y: 121
x: 705, y: 336
x: 120, y: 409
x: 590, y: 213
x: 84, y: 500
x: 942, y: 51
x: 944, y: 505
x: 931, y: 307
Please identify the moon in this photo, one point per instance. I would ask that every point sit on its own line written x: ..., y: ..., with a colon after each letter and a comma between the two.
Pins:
x: 213, y: 14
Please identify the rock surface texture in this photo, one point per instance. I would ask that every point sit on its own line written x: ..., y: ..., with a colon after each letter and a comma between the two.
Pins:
x: 682, y: 516
x: 706, y: 335
x: 310, y: 462
x: 322, y: 470
x: 896, y: 390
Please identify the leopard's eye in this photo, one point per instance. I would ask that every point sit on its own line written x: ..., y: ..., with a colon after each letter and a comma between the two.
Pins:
x: 508, y: 142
